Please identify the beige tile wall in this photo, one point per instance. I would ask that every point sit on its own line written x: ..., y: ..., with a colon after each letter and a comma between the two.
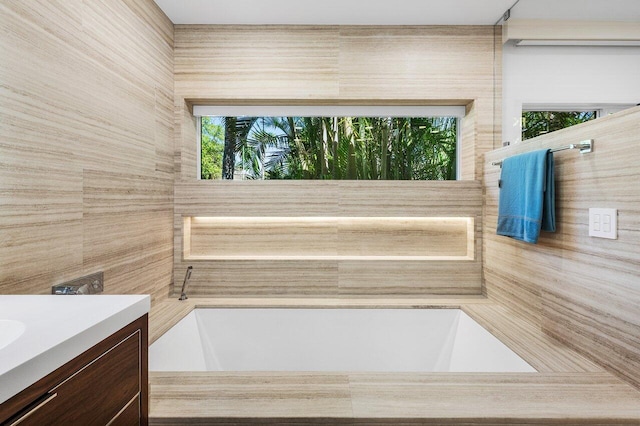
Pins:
x: 582, y: 290
x: 334, y: 65
x: 86, y: 144
x: 330, y: 277
x: 341, y: 65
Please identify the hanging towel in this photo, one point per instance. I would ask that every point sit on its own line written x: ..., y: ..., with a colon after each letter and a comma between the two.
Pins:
x: 527, y: 196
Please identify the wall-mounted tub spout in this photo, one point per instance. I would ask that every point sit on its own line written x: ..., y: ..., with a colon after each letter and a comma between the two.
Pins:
x: 183, y: 295
x: 89, y: 284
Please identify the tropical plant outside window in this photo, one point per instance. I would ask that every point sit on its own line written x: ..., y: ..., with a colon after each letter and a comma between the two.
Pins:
x: 364, y: 148
x: 536, y: 123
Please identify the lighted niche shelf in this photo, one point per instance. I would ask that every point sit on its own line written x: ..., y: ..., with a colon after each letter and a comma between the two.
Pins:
x: 328, y: 238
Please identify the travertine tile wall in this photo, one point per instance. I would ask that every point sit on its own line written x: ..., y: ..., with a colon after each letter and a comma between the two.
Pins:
x: 384, y: 65
x: 86, y: 144
x: 285, y: 65
x: 582, y: 290
x: 330, y: 277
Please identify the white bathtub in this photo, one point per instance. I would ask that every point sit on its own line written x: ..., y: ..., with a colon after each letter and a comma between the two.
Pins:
x: 375, y: 340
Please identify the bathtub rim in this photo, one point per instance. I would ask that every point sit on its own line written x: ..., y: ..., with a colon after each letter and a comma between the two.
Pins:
x: 166, y: 313
x: 467, y: 347
x: 175, y: 310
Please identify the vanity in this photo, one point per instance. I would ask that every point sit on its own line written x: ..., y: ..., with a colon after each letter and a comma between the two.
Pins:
x: 74, y: 360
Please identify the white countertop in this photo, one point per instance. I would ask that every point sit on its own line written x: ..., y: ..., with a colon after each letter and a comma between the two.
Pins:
x: 57, y: 329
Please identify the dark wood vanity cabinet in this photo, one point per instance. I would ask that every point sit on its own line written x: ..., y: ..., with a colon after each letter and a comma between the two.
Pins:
x: 106, y: 385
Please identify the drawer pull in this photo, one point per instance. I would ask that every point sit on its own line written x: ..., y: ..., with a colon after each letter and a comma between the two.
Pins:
x: 47, y: 398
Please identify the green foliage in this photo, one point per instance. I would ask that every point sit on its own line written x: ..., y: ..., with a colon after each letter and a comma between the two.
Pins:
x: 363, y: 148
x: 536, y: 123
x: 212, y: 149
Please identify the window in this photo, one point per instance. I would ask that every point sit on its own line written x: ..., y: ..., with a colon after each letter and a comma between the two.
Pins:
x: 538, y: 119
x: 536, y: 123
x: 363, y: 147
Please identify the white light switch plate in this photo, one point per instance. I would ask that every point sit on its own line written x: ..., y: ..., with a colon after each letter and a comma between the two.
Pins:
x: 603, y: 223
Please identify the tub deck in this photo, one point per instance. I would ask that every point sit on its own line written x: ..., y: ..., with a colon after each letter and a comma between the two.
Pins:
x: 569, y: 388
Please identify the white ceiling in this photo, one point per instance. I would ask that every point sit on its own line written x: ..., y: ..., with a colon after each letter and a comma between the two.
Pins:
x: 391, y: 12
x: 579, y: 10
x: 336, y: 12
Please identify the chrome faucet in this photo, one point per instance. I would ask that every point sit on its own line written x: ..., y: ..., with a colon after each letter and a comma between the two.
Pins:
x: 183, y: 295
x: 90, y: 284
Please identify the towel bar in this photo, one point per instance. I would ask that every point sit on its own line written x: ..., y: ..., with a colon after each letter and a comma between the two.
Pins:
x: 584, y: 147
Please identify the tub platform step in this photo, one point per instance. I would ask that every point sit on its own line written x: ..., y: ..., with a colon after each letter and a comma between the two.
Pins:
x: 384, y: 398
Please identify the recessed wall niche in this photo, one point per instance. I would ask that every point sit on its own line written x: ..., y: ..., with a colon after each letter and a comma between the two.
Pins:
x: 328, y: 238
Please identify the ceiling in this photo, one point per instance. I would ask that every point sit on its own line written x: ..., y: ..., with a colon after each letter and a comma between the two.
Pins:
x: 394, y: 12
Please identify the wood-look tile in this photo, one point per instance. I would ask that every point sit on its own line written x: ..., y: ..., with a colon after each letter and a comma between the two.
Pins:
x: 409, y: 277
x: 261, y: 395
x: 332, y: 276
x: 86, y: 182
x: 540, y: 350
x: 251, y: 278
x: 186, y: 150
x: 263, y: 237
x: 315, y: 65
x: 579, y: 289
x: 569, y: 390
x: 256, y: 62
x: 258, y: 198
x: 409, y: 198
x: 431, y: 61
x: 321, y: 74
x: 127, y: 231
x: 328, y: 238
x: 553, y: 397
x: 165, y: 313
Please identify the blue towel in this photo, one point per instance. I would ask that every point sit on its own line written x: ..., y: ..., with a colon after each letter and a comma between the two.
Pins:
x: 527, y: 196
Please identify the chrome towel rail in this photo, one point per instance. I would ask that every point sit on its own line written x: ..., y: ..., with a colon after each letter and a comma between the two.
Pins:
x: 584, y: 147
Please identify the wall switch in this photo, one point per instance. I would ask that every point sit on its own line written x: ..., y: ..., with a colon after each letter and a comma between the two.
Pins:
x: 603, y: 223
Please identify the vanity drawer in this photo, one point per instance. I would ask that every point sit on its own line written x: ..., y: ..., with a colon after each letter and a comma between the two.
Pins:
x: 106, y: 388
